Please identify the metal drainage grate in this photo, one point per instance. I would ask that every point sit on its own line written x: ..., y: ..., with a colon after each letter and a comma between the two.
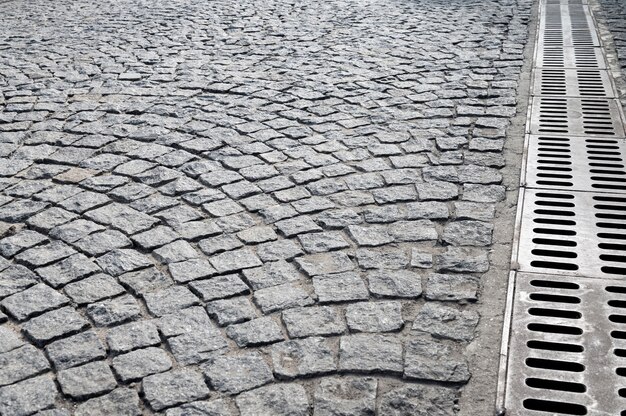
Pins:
x: 572, y: 82
x: 577, y: 57
x: 549, y: 2
x: 567, y: 352
x: 567, y: 26
x: 593, y: 116
x: 573, y: 234
x: 576, y: 163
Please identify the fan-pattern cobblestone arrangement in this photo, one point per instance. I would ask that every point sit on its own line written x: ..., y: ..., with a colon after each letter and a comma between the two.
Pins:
x: 248, y: 208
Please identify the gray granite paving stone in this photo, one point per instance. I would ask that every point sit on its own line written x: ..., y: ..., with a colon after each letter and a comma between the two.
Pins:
x: 75, y: 350
x: 68, y: 270
x: 28, y: 396
x: 9, y: 339
x: 114, y: 311
x: 305, y: 357
x: 121, y: 401
x: 54, y: 324
x: 138, y: 364
x: 234, y: 374
x: 315, y: 320
x: 87, y: 380
x: 346, y: 396
x: 274, y: 400
x: 21, y: 363
x: 370, y: 353
x: 14, y: 279
x: 33, y: 301
x: 255, y: 332
x: 172, y: 388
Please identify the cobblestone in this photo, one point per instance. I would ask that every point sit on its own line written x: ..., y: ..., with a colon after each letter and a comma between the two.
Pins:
x: 272, y: 209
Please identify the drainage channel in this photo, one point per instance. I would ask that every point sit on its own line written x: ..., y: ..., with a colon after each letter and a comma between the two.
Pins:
x: 564, y: 348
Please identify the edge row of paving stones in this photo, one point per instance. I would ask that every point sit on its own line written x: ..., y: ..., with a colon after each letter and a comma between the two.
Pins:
x: 253, y: 208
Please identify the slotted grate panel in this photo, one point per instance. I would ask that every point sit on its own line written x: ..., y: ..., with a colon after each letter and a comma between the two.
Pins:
x: 549, y: 2
x: 567, y: 352
x: 567, y: 26
x: 573, y: 83
x: 577, y: 57
x: 576, y: 116
x: 573, y: 234
x: 576, y: 163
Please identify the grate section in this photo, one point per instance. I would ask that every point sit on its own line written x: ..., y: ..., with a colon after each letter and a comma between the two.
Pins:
x: 572, y: 82
x: 575, y: 116
x: 579, y: 57
x: 567, y: 26
x: 567, y: 354
x: 576, y: 163
x: 573, y: 234
x: 548, y: 2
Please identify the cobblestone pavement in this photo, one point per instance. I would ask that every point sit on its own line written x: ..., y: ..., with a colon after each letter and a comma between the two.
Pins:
x: 253, y: 207
x: 612, y: 14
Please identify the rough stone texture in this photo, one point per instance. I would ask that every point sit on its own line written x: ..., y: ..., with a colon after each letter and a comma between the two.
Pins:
x: 314, y: 182
x: 28, y: 396
x: 121, y: 401
x: 428, y: 359
x: 370, y: 353
x: 346, y: 396
x: 418, y: 400
x: 87, y: 380
x: 274, y: 400
x: 233, y: 375
x: 304, y: 357
x: 174, y: 387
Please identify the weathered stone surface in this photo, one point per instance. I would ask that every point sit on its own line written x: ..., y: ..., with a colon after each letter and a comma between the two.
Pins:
x: 446, y: 322
x: 468, y: 233
x: 235, y: 260
x: 87, y: 380
x: 325, y: 263
x: 374, y: 316
x: 138, y: 364
x: 317, y: 320
x: 172, y: 388
x: 121, y: 401
x: 281, y: 297
x: 274, y: 400
x: 34, y: 300
x: 114, y: 311
x: 93, y: 289
x: 75, y: 350
x: 339, y: 287
x: 255, y: 332
x: 68, y: 270
x: 418, y: 400
x: 218, y: 407
x: 395, y: 283
x: 122, y: 261
x: 451, y: 287
x: 370, y: 353
x: 346, y: 396
x: 235, y: 374
x: 54, y: 324
x: 15, y: 278
x: 304, y: 357
x: 27, y: 397
x: 271, y: 274
x: 219, y: 287
x: 9, y: 339
x: 21, y: 363
x: 169, y: 300
x: 428, y: 359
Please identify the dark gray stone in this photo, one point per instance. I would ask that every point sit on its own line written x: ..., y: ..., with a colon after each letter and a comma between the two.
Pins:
x: 345, y: 396
x: 428, y: 359
x: 132, y: 335
x: 87, y: 380
x: 120, y: 402
x: 339, y: 287
x: 28, y: 396
x: 55, y: 324
x: 370, y: 353
x: 446, y: 322
x: 419, y: 400
x: 173, y: 388
x: 374, y: 316
x: 255, y: 332
x: 234, y: 374
x: 76, y: 350
x: 298, y: 358
x: 395, y: 283
x: 318, y: 320
x: 138, y: 364
x: 114, y: 311
x: 274, y: 400
x: 33, y: 301
x: 21, y: 363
